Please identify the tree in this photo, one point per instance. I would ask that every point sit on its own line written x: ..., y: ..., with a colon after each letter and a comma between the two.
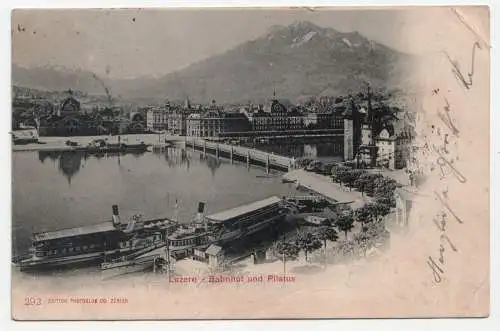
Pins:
x: 308, y: 242
x: 381, y: 210
x: 366, y: 182
x: 365, y: 214
x: 384, y: 190
x: 346, y: 249
x: 379, y: 232
x: 327, y: 233
x: 345, y: 222
x: 288, y: 249
x: 338, y: 173
x: 349, y: 177
x: 363, y: 241
x: 386, y: 201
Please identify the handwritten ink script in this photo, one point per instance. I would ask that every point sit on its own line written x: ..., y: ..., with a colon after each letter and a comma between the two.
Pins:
x: 467, y: 83
x: 437, y: 266
x: 442, y: 143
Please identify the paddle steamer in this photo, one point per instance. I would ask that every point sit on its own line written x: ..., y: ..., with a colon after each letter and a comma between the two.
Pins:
x: 96, y: 243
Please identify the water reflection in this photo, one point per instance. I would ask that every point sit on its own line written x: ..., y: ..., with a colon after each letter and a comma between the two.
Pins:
x: 176, y: 157
x: 71, y: 162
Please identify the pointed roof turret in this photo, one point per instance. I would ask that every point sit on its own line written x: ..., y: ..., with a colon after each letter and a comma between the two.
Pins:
x: 187, y: 103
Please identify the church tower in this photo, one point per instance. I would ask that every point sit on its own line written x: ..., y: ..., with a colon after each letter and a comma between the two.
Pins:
x: 367, y: 123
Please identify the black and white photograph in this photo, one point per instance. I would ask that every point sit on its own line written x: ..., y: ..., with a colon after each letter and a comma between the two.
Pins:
x: 229, y: 163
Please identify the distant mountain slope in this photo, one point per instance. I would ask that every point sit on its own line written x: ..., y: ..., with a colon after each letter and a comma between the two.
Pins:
x: 299, y: 60
x: 55, y: 79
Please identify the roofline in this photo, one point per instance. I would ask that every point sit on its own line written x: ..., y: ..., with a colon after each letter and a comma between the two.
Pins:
x: 210, y: 217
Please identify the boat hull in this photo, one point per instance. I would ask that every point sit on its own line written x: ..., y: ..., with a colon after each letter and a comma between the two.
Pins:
x: 92, y: 259
x: 104, y: 150
x: 128, y: 267
x: 60, y: 263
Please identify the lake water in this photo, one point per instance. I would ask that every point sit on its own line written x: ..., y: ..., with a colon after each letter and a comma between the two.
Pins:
x: 54, y: 190
x: 325, y: 150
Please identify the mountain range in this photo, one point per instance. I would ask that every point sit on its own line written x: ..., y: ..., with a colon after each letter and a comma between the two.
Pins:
x: 297, y: 61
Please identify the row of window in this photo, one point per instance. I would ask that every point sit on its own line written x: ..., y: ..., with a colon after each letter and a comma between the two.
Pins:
x: 85, y: 248
x: 185, y: 242
x: 65, y: 250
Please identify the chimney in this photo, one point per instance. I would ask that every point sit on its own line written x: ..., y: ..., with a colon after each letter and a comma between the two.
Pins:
x: 116, y: 215
x: 200, y: 216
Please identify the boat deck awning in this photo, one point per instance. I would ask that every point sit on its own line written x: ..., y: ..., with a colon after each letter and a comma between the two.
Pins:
x: 72, y: 232
x: 242, y: 210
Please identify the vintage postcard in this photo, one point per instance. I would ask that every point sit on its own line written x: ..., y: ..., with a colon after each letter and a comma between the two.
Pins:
x: 251, y: 163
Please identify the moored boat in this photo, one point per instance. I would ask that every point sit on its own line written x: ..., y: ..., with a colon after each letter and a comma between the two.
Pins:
x: 95, y: 243
x: 245, y: 220
x: 102, y: 146
x: 219, y: 228
x: 226, y: 226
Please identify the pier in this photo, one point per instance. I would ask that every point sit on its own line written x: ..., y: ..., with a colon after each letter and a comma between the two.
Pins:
x: 241, y: 154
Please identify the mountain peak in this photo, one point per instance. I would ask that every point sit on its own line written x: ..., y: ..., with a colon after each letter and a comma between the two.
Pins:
x: 301, y: 60
x: 305, y: 25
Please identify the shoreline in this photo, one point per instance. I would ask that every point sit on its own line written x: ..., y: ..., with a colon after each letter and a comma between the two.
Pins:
x: 58, y: 144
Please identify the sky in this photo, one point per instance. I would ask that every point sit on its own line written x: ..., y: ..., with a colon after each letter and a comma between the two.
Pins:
x: 126, y: 43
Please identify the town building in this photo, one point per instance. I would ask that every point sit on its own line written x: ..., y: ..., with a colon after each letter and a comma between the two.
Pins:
x: 393, y: 149
x: 323, y: 120
x: 157, y: 119
x: 173, y: 118
x: 276, y: 118
x: 69, y: 118
x: 213, y: 122
x: 215, y: 256
x: 177, y: 121
x: 280, y: 119
x: 353, y: 120
x: 137, y: 122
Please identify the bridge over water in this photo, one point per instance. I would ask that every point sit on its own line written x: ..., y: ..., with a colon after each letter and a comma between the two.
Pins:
x: 241, y: 154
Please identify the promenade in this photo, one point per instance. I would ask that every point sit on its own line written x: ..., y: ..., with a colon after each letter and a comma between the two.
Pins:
x: 327, y: 188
